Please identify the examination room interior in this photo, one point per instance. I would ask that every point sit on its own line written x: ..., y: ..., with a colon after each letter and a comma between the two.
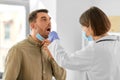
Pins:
x: 65, y: 21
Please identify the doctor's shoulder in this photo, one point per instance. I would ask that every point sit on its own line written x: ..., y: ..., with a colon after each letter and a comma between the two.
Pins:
x: 88, y: 48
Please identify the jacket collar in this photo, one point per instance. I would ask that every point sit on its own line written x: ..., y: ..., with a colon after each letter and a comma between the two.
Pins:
x: 33, y: 42
x: 108, y: 38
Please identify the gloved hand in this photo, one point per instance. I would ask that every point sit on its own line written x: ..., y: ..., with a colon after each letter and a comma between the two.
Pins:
x: 52, y: 36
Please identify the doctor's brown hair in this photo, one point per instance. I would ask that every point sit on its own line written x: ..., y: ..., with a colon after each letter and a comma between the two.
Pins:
x: 97, y: 19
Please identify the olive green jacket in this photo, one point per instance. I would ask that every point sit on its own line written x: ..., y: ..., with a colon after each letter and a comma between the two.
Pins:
x: 27, y: 61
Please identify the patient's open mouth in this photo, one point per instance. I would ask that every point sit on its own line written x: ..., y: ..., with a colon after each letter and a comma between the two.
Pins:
x: 49, y: 29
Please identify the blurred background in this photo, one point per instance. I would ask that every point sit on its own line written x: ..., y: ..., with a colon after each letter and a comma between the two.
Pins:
x: 65, y: 20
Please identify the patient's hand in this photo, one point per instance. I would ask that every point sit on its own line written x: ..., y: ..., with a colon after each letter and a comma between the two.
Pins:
x: 45, y: 47
x: 46, y: 42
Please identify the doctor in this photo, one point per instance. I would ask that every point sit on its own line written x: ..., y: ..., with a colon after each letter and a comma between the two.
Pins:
x: 100, y: 59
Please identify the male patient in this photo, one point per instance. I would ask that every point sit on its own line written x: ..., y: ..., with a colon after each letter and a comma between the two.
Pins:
x: 27, y: 60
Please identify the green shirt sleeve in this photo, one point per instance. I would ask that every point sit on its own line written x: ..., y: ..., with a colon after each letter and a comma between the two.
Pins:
x: 12, y: 64
x: 58, y: 72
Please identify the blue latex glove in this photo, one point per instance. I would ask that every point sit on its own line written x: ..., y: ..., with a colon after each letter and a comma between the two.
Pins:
x: 52, y: 36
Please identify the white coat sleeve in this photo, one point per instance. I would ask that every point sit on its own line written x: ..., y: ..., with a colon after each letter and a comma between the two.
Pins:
x: 81, y: 60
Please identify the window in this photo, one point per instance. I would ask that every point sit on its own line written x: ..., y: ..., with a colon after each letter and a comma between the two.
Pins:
x: 7, y: 30
x: 13, y: 26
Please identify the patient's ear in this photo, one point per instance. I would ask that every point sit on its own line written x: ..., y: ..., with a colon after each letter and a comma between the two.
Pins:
x: 32, y: 25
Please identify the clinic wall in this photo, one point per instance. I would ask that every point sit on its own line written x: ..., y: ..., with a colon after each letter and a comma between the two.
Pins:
x: 69, y: 29
x: 111, y: 8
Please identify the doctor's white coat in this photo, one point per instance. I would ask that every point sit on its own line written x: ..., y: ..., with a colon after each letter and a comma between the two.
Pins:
x: 100, y: 60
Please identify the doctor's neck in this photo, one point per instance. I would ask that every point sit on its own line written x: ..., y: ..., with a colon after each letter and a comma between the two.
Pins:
x: 98, y: 37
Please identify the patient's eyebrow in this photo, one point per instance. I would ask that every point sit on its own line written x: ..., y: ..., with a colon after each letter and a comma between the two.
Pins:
x: 44, y: 17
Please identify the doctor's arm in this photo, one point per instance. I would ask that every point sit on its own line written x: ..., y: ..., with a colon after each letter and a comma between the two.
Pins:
x: 80, y: 60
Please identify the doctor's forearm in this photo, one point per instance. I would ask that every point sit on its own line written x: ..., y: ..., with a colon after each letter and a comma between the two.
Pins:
x: 64, y: 59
